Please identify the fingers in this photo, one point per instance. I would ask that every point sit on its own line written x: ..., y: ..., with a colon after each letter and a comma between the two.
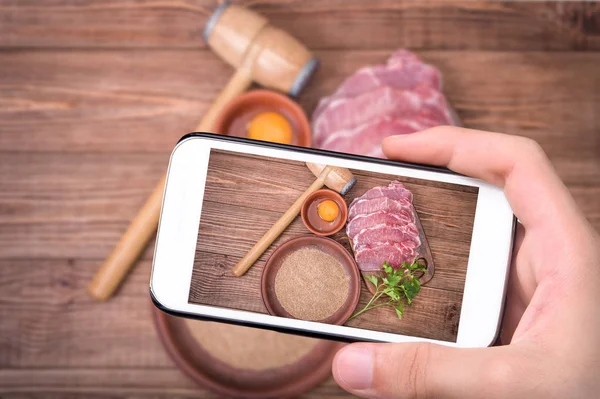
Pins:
x: 487, y: 156
x: 517, y: 164
x: 520, y: 289
x: 423, y: 370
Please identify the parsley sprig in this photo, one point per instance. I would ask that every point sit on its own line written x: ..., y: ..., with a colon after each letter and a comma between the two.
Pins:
x: 394, y: 287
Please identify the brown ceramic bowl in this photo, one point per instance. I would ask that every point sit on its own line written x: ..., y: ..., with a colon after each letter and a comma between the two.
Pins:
x: 311, y: 219
x: 238, y: 112
x: 211, y: 373
x: 326, y: 245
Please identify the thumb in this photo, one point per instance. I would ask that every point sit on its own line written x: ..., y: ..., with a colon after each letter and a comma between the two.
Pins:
x: 423, y: 370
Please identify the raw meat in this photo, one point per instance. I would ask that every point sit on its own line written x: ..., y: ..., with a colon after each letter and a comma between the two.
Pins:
x: 346, y: 113
x: 395, y: 190
x: 400, y: 97
x: 361, y: 222
x: 386, y: 232
x: 369, y: 257
x: 404, y: 70
x: 381, y: 225
x: 424, y: 105
x: 361, y: 206
x: 365, y: 138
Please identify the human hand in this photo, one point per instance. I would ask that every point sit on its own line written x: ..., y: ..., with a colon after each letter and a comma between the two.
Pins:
x: 551, y: 326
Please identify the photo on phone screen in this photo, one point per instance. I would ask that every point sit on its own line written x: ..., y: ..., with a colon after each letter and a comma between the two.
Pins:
x: 409, y: 237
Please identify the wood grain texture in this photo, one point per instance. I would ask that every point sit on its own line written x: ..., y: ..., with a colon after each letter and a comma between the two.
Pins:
x: 55, y: 339
x: 335, y: 24
x: 130, y: 383
x: 123, y: 383
x: 43, y: 191
x: 245, y: 195
x: 48, y: 319
x: 78, y: 101
x: 76, y: 205
x: 94, y: 94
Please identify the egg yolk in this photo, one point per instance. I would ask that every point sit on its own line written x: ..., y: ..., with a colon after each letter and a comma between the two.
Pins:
x: 270, y: 126
x: 328, y: 210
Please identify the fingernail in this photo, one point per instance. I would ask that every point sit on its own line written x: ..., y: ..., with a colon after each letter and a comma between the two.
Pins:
x: 354, y: 367
x: 389, y: 138
x: 396, y: 137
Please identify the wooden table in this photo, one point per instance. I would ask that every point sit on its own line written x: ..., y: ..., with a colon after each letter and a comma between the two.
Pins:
x: 94, y: 94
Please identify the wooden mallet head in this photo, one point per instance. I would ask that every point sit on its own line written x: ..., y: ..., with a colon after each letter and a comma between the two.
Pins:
x: 336, y: 178
x: 269, y: 56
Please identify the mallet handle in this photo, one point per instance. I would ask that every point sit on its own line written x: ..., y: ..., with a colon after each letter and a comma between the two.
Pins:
x: 239, y: 83
x: 129, y: 248
x: 275, y: 231
x: 122, y: 258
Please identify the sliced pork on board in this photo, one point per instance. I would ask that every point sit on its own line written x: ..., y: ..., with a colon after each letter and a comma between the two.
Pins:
x: 403, y: 96
x: 384, y: 227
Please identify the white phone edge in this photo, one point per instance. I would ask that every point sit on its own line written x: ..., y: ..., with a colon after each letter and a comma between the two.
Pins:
x: 487, y: 270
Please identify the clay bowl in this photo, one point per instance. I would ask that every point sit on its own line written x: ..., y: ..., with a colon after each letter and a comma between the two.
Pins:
x: 326, y: 245
x: 238, y: 112
x: 196, y: 361
x: 311, y: 219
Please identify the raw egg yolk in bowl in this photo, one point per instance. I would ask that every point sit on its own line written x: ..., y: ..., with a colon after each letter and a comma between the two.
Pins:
x: 328, y: 210
x: 270, y: 126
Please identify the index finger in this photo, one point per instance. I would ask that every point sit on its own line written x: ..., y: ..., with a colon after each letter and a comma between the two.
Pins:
x: 518, y: 165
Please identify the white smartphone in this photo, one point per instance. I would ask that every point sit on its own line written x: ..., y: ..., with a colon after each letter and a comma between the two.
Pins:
x: 222, y: 194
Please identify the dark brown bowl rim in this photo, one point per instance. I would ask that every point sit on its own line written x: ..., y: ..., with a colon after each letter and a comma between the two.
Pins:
x: 326, y: 193
x: 304, y: 128
x: 321, y: 371
x: 354, y: 295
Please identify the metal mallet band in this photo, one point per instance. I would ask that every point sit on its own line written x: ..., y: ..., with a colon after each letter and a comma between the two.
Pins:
x: 212, y: 20
x: 303, y: 77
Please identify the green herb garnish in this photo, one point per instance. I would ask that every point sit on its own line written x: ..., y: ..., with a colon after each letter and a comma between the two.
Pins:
x: 395, y: 287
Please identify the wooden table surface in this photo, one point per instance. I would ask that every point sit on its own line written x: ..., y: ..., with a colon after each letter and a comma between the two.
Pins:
x: 95, y: 93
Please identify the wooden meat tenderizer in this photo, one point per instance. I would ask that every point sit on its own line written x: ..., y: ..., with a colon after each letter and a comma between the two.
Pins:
x: 260, y: 53
x: 335, y: 178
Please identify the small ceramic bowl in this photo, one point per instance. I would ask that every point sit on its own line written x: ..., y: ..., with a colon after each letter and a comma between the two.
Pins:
x: 324, y: 244
x: 236, y: 115
x: 311, y: 219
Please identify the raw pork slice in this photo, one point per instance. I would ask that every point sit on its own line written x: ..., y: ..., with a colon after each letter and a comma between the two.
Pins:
x: 385, y: 232
x: 381, y: 225
x: 423, y: 105
x: 365, y: 138
x: 346, y: 113
x: 404, y: 70
x: 400, y: 97
x: 362, y: 222
x: 369, y: 257
x: 361, y: 206
x: 395, y: 190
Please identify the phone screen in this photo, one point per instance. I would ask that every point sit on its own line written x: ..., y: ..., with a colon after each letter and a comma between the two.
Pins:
x: 409, y: 237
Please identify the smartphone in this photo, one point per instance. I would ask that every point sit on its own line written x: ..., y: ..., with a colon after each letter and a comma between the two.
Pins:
x: 433, y: 245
